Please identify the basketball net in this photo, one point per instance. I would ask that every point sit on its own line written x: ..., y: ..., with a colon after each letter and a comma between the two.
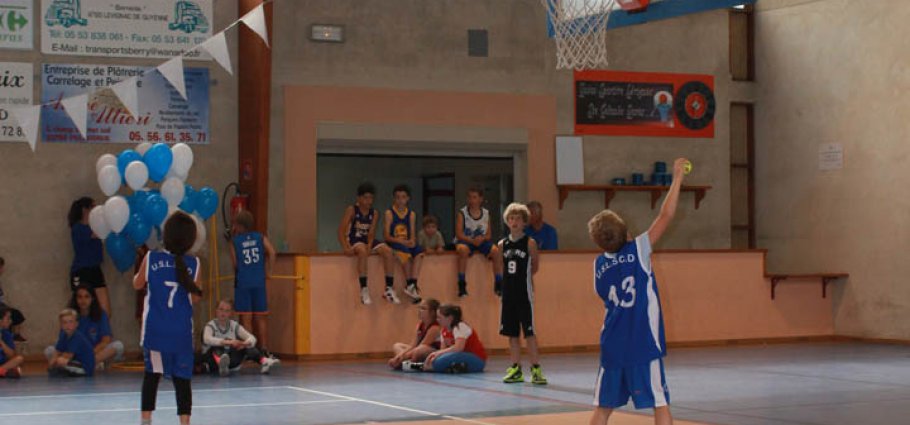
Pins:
x: 580, y: 28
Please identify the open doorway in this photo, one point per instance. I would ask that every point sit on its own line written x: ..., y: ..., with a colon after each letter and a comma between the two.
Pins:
x: 438, y: 186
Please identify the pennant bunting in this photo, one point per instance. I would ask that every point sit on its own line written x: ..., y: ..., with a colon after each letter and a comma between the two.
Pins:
x: 217, y: 47
x: 28, y: 119
x: 255, y: 20
x: 172, y: 70
x: 128, y: 93
x: 77, y: 108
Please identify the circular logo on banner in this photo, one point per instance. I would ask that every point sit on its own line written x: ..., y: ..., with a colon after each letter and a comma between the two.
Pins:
x: 694, y: 105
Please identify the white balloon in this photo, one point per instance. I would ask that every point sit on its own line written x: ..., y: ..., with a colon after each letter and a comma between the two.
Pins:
x: 152, y: 242
x: 109, y: 179
x: 116, y: 213
x: 97, y: 222
x: 173, y: 173
x: 173, y: 190
x: 106, y: 159
x: 136, y: 175
x: 199, y: 245
x: 143, y: 147
x: 183, y: 159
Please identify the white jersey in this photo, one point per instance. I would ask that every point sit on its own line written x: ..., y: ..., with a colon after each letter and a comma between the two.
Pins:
x: 213, y: 335
x: 475, y: 226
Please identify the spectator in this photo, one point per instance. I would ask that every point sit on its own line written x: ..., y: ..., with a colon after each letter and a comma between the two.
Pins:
x: 86, y: 267
x: 430, y: 238
x: 542, y: 233
x: 94, y: 324
x: 15, y: 315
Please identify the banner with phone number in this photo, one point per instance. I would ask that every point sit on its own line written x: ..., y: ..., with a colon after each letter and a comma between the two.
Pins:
x: 164, y: 116
x: 16, y: 82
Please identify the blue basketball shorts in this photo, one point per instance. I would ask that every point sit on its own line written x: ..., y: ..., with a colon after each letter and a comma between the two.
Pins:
x: 484, y: 247
x: 178, y: 365
x: 250, y: 300
x: 645, y: 384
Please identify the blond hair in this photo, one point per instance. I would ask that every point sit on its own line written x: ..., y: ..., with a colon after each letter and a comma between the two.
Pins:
x: 518, y: 209
x: 244, y: 218
x: 608, y: 231
x: 68, y: 312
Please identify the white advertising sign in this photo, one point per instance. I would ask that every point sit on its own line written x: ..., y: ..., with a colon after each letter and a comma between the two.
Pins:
x: 830, y: 156
x: 125, y: 28
x: 16, y: 28
x: 16, y: 82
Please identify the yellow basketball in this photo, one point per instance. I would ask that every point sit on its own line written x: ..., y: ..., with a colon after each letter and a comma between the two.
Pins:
x: 687, y: 168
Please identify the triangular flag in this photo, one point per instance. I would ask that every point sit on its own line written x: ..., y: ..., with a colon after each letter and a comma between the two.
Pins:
x: 217, y: 47
x: 172, y: 70
x: 77, y: 108
x: 255, y: 19
x: 128, y: 93
x: 28, y: 120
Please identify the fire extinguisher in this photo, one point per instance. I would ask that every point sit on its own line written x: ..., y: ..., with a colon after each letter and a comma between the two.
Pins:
x: 239, y: 202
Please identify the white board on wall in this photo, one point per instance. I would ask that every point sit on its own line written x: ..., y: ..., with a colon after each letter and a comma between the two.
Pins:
x: 830, y: 156
x: 16, y: 82
x: 16, y: 27
x: 570, y: 164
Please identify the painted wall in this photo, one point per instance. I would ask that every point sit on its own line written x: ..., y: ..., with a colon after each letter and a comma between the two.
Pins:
x: 837, y: 71
x: 706, y: 296
x: 412, y: 46
x: 37, y: 189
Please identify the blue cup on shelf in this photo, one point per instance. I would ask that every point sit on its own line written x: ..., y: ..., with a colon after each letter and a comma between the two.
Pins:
x: 638, y: 179
x: 668, y: 179
x: 657, y: 179
x: 660, y: 167
x: 619, y: 181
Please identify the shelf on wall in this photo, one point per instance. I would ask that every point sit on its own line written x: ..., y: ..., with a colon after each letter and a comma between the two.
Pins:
x: 610, y: 191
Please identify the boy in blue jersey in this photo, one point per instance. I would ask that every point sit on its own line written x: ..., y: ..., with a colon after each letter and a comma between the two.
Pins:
x: 73, y: 355
x: 9, y: 358
x: 400, y: 234
x: 171, y: 278
x: 632, y: 343
x: 357, y: 236
x: 253, y: 257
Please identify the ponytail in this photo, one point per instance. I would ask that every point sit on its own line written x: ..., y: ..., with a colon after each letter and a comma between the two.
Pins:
x: 179, y: 237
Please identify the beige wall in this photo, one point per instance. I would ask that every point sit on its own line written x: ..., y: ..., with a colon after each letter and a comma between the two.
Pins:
x: 837, y: 71
x: 412, y: 45
x: 36, y: 190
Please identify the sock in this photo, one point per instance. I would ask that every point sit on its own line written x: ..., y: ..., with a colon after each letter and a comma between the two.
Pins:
x: 535, y: 366
x: 389, y: 281
x: 461, y: 277
x: 498, y: 278
x: 412, y: 282
x: 363, y: 281
x: 146, y: 422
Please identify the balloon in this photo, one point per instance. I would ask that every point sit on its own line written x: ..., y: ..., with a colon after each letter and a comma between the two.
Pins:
x: 153, y: 241
x: 158, y: 159
x: 116, y: 213
x: 137, y: 229
x: 206, y: 202
x: 200, y: 235
x: 120, y: 250
x: 106, y: 159
x: 143, y: 147
x: 189, y: 200
x: 109, y: 179
x: 173, y: 190
x: 155, y: 210
x: 183, y: 159
x: 173, y: 173
x: 139, y: 198
x: 136, y: 175
x: 126, y: 157
x: 97, y: 223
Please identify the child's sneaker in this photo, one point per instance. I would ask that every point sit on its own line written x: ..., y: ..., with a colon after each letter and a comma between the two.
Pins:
x: 462, y: 289
x: 224, y: 364
x: 409, y: 366
x: 390, y: 296
x: 365, y: 296
x: 268, y: 363
x: 537, y: 377
x: 413, y: 291
x: 13, y: 373
x: 513, y: 375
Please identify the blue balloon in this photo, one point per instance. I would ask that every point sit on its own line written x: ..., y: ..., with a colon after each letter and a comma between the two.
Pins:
x: 124, y: 159
x: 120, y: 250
x: 206, y: 202
x: 158, y: 160
x: 139, y: 198
x: 155, y: 209
x: 137, y: 229
x: 188, y: 204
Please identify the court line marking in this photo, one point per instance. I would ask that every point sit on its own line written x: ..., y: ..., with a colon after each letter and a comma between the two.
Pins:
x: 390, y: 406
x: 133, y: 393
x: 210, y: 406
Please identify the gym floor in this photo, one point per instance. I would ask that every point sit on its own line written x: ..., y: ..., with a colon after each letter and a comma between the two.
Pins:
x: 810, y: 383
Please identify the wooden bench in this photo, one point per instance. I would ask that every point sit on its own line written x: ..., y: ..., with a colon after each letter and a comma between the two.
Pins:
x: 825, y: 278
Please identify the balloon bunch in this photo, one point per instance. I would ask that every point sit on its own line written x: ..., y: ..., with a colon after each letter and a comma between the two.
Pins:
x: 127, y: 222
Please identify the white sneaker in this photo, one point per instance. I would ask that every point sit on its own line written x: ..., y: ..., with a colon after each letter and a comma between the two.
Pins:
x: 390, y: 296
x: 365, y: 296
x: 268, y: 363
x: 413, y: 292
x: 224, y: 364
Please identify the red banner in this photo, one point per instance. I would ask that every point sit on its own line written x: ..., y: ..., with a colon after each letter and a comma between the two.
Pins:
x: 644, y: 104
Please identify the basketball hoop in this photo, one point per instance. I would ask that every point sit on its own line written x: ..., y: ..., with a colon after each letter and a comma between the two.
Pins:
x: 580, y: 28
